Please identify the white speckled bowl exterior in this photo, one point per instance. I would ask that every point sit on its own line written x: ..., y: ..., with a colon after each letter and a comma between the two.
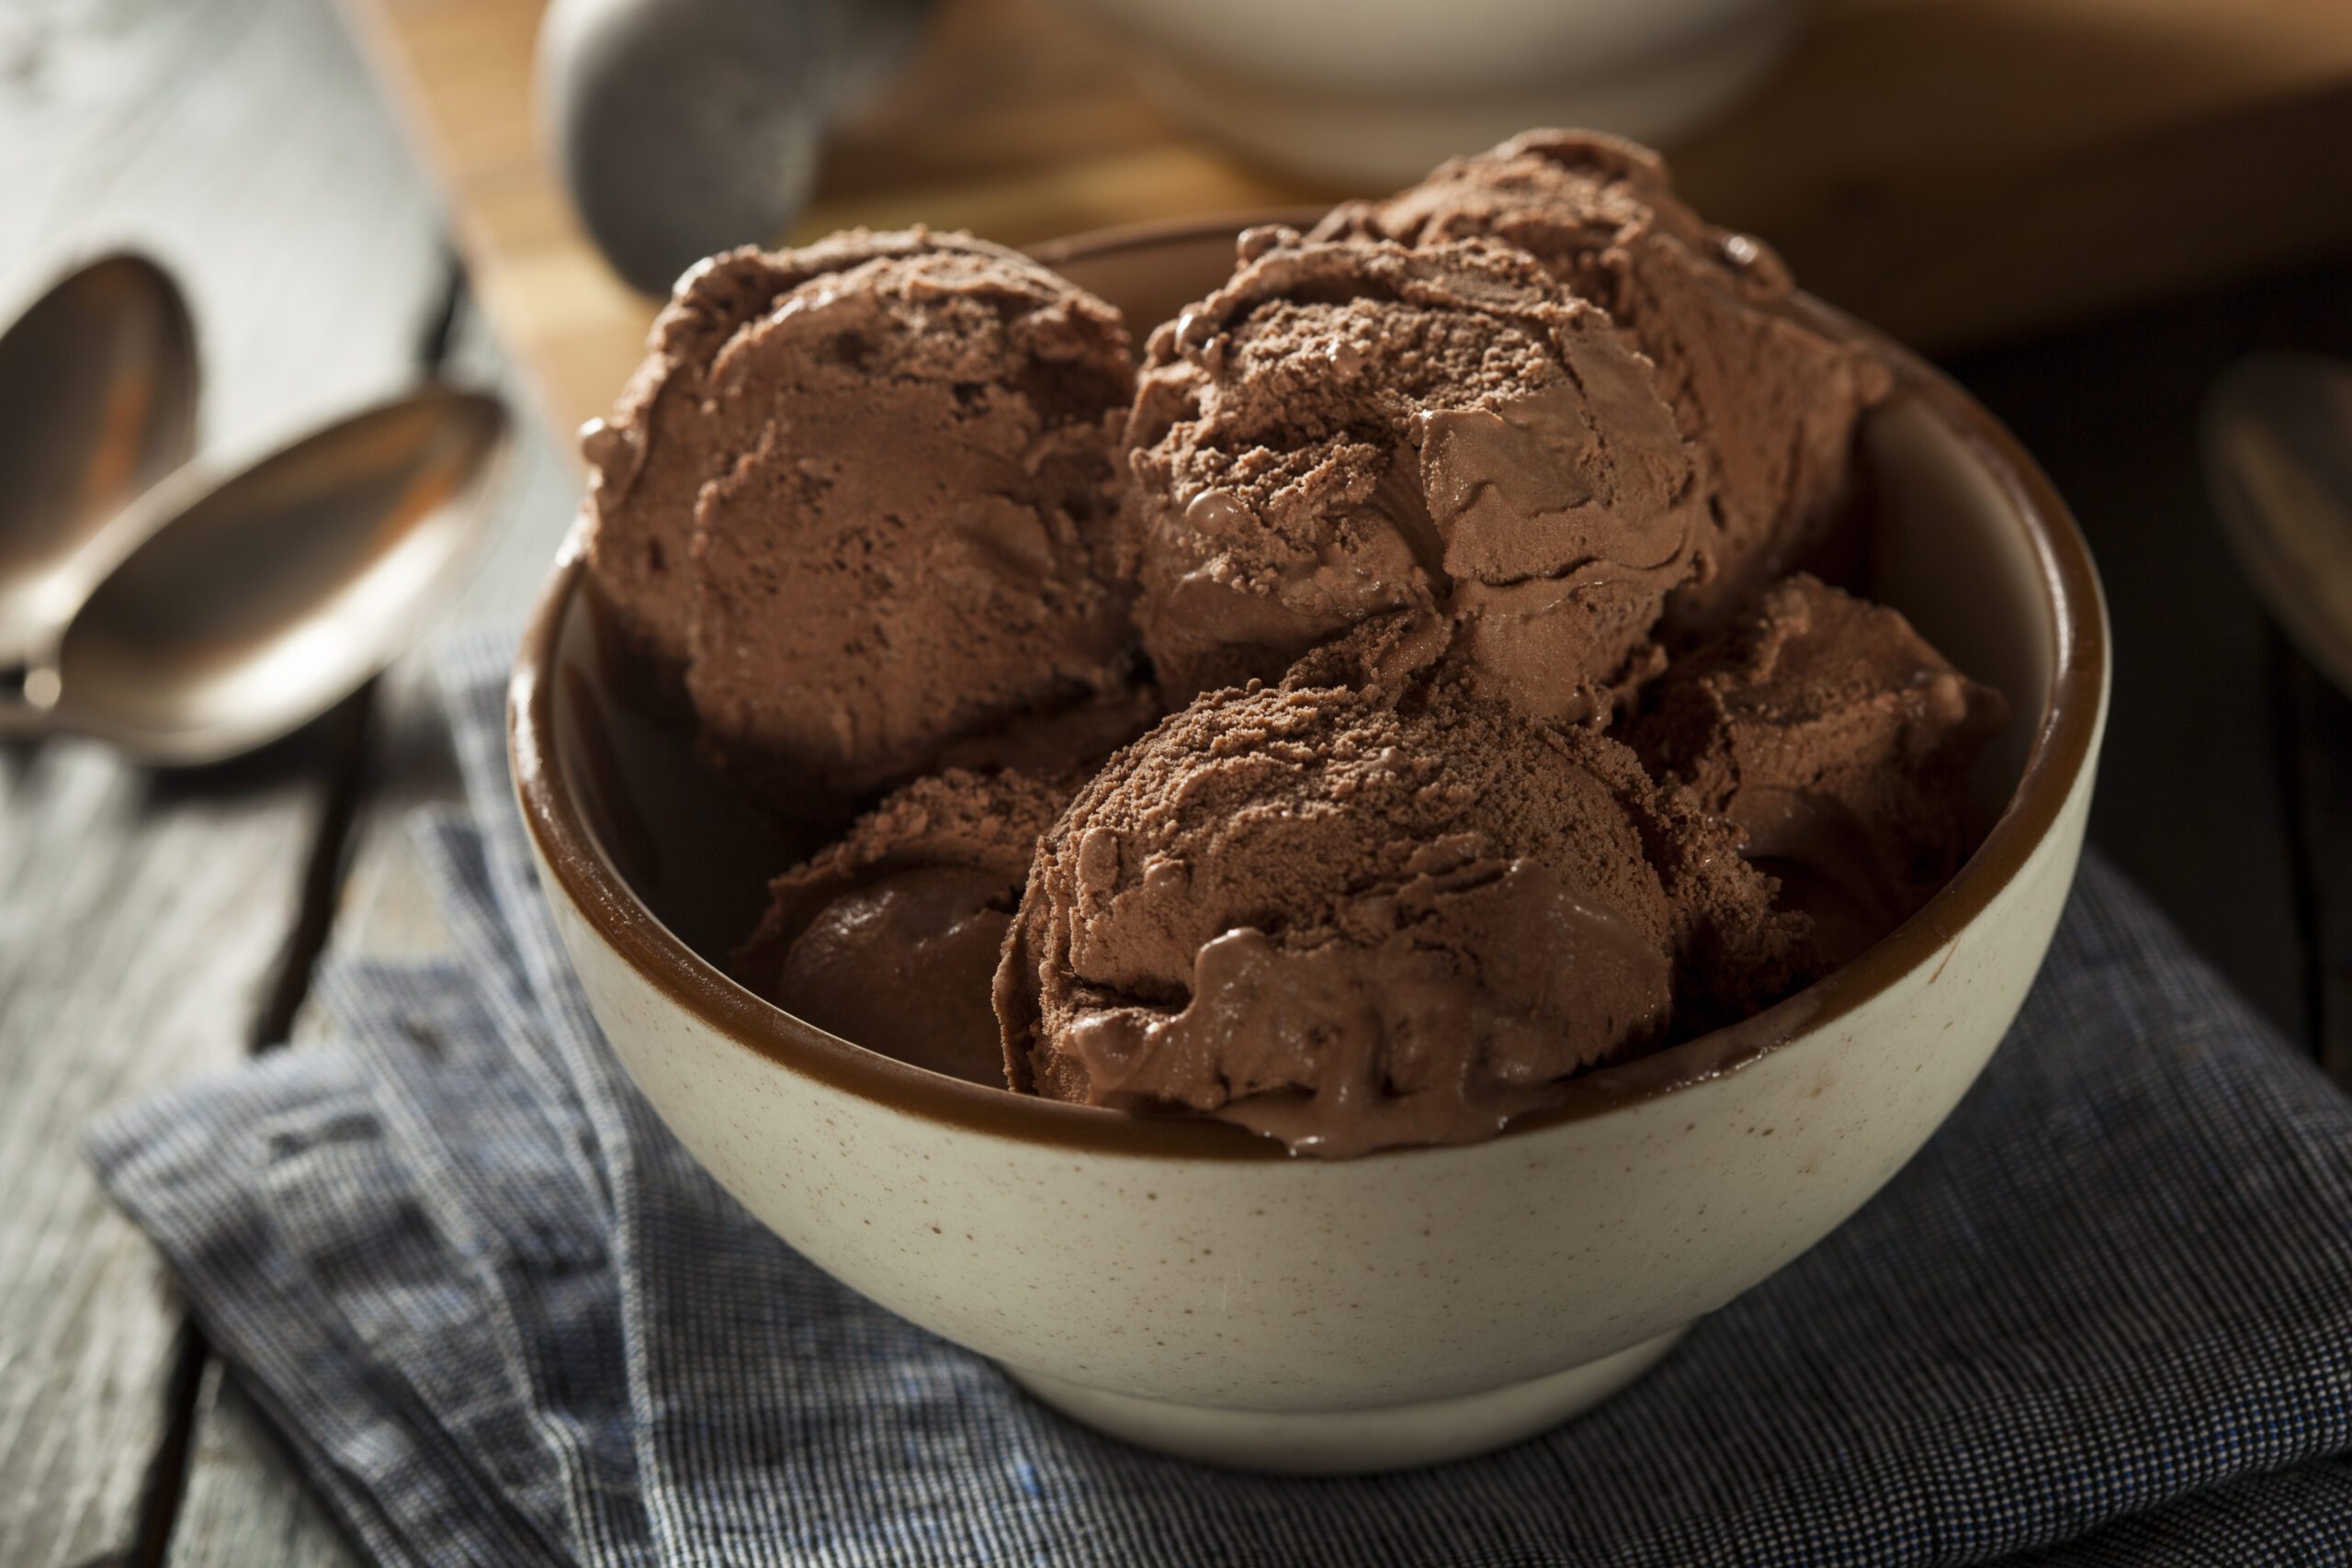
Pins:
x: 1189, y: 1287
x: 1371, y: 93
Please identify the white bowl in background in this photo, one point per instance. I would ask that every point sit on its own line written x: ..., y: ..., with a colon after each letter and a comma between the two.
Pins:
x: 1368, y: 93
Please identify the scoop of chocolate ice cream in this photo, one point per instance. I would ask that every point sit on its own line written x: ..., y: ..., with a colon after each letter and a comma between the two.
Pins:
x: 1346, y: 431
x: 1839, y: 742
x: 649, y: 460
x: 866, y: 491
x: 1342, y: 919
x: 889, y: 938
x: 1768, y: 399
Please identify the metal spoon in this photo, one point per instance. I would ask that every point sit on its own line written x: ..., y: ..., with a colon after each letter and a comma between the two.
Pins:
x: 241, y: 608
x: 97, y: 403
x: 2278, y: 456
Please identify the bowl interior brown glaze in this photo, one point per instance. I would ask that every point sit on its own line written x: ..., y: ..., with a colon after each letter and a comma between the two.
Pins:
x: 1968, y: 539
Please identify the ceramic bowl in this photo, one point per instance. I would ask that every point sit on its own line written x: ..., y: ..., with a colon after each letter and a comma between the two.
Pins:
x: 1188, y: 1286
x: 1372, y: 93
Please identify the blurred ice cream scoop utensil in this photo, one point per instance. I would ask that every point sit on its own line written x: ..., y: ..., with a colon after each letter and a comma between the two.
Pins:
x: 2278, y: 452
x: 97, y: 403
x: 219, y: 613
x: 688, y: 127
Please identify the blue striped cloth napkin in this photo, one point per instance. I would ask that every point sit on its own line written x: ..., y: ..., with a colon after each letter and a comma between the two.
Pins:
x: 2104, y: 1319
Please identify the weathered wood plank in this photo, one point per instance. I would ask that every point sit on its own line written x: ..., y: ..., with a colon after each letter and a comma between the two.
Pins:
x: 141, y: 922
x: 143, y: 918
x: 245, y: 1503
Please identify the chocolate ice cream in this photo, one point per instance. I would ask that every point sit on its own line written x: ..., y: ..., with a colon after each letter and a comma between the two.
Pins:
x: 865, y: 493
x: 1348, y: 918
x: 1838, y: 742
x: 890, y: 937
x: 648, y: 461
x: 1349, y: 430
x: 1460, y: 534
x: 1767, y: 397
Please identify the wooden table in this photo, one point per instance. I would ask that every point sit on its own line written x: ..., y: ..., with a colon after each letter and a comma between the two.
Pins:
x: 152, y: 928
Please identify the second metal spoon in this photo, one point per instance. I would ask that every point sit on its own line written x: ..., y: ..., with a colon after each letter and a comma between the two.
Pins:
x: 248, y: 606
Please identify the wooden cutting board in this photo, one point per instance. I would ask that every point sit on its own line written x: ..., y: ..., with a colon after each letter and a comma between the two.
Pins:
x: 1952, y: 170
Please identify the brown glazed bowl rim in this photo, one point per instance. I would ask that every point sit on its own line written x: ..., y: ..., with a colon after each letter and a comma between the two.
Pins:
x: 2060, y: 752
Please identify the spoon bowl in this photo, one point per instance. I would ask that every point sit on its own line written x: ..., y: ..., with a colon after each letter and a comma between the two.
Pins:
x: 97, y: 403
x: 2277, y: 451
x: 251, y: 605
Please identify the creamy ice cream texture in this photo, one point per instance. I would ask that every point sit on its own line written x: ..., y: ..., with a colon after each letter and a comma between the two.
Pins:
x: 1459, y: 537
x: 1765, y: 397
x: 863, y: 494
x: 1352, y: 916
x: 1348, y: 429
x: 1837, y: 741
x: 890, y: 937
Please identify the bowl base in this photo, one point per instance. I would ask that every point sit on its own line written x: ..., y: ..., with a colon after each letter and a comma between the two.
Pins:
x: 1348, y: 139
x: 1351, y: 1442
